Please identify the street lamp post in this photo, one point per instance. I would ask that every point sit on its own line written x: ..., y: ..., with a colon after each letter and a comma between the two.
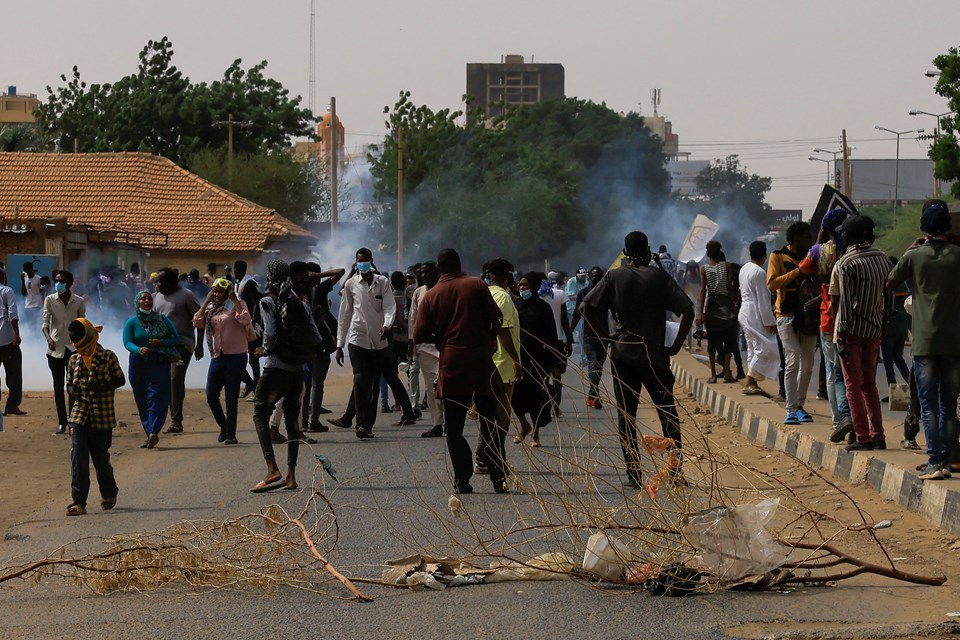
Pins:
x: 822, y: 160
x: 896, y: 179
x: 836, y: 169
x: 936, y: 136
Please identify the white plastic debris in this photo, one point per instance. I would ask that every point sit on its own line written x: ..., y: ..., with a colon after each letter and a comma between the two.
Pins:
x: 883, y: 524
x: 424, y: 579
x: 605, y: 557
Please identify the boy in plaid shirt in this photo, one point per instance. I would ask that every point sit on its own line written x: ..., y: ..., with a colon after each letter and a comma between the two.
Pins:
x: 93, y: 374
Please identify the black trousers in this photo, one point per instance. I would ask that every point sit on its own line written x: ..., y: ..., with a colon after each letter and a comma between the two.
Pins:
x: 91, y: 445
x: 492, y: 450
x: 628, y: 381
x: 11, y: 358
x: 276, y: 385
x: 58, y: 369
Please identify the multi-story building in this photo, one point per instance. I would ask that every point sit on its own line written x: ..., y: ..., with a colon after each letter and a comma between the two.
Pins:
x: 513, y: 82
x: 17, y: 108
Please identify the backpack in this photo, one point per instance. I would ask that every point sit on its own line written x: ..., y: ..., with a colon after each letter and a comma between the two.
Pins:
x: 295, y: 342
x: 806, y: 316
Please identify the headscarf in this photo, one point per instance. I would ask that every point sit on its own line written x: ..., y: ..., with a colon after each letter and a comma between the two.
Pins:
x: 155, y: 327
x: 278, y: 278
x: 831, y: 224
x: 87, y: 346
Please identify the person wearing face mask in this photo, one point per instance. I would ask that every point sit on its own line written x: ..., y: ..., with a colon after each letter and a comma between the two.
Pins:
x: 179, y: 305
x: 60, y: 309
x: 531, y: 395
x: 153, y: 341
x: 225, y: 320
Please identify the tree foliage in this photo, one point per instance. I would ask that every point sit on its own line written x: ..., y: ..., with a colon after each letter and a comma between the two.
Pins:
x: 158, y: 110
x: 24, y: 137
x: 726, y: 185
x: 945, y: 152
x: 514, y: 185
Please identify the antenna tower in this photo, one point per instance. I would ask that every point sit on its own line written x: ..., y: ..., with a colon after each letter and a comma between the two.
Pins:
x: 655, y: 100
x: 312, y: 98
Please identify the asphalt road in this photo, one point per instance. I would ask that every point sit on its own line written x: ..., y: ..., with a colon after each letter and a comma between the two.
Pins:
x: 391, y: 501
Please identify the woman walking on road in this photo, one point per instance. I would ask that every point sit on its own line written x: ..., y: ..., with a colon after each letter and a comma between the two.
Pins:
x: 227, y: 322
x: 152, y: 341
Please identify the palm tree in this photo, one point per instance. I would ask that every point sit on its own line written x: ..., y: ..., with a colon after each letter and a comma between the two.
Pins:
x: 24, y: 137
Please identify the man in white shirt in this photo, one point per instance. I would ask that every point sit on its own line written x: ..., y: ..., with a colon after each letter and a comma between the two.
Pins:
x: 10, y: 356
x: 427, y: 354
x: 32, y: 296
x: 367, y: 312
x: 59, y: 310
x: 556, y: 297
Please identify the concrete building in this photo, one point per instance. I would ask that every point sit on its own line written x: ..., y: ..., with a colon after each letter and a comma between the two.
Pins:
x: 663, y: 129
x: 875, y: 181
x: 17, y: 108
x: 513, y: 82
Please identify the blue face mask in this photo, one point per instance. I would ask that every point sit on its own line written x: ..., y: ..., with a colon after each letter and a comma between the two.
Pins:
x: 526, y: 294
x: 61, y: 287
x: 364, y: 267
x: 486, y: 281
x: 228, y: 305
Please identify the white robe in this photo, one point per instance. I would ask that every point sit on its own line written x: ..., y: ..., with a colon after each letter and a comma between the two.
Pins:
x: 756, y: 314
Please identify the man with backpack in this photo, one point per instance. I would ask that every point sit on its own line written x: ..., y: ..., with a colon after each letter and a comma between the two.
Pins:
x: 797, y: 311
x: 290, y: 340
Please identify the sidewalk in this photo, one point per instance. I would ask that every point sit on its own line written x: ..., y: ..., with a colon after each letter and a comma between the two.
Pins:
x: 890, y: 472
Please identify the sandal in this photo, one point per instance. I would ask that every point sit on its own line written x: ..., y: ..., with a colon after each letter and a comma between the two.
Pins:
x: 753, y: 391
x: 712, y: 380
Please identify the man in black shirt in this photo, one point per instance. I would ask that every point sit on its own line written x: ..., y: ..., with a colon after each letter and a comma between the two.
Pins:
x: 638, y: 356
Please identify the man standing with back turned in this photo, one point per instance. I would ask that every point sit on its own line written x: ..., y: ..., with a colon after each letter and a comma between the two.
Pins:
x: 460, y: 316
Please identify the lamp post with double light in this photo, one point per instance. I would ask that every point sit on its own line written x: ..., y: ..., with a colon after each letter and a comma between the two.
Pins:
x: 896, y: 179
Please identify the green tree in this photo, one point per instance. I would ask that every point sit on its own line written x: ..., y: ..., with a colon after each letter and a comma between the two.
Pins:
x: 945, y: 152
x: 158, y: 110
x: 524, y: 185
x: 24, y: 137
x: 726, y: 184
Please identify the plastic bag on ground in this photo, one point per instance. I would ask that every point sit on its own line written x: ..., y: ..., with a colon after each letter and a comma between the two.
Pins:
x: 734, y: 542
x: 606, y: 557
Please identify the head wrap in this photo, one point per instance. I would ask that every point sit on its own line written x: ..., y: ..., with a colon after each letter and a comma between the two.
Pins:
x: 831, y: 224
x: 935, y: 220
x: 87, y: 345
x: 278, y: 277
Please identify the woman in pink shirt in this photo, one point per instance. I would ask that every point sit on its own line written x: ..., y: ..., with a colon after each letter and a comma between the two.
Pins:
x: 227, y: 323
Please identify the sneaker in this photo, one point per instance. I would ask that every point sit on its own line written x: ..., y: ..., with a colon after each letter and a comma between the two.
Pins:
x: 791, y: 418
x: 932, y: 472
x: 62, y: 429
x: 945, y: 468
x: 231, y: 441
x: 501, y: 487
x: 844, y: 428
x: 435, y: 432
x: 175, y: 428
x: 866, y: 446
x: 339, y: 422
x: 108, y: 503
x: 481, y: 468
x: 910, y: 445
x: 363, y: 434
x: 152, y: 441
x: 803, y: 416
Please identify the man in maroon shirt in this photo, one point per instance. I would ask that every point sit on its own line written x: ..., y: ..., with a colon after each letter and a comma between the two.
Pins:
x: 460, y: 316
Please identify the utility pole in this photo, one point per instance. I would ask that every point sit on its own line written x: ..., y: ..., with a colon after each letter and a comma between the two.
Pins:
x: 312, y: 97
x: 846, y: 166
x: 400, y: 199
x: 334, y: 167
x: 229, y: 123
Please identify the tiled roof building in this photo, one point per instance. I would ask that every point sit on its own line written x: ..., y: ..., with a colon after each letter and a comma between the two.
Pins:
x: 139, y: 193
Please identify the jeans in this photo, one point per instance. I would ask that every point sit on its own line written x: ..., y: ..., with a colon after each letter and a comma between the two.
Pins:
x: 313, y: 394
x: 150, y: 381
x: 91, y: 445
x: 798, y: 352
x: 178, y: 377
x: 836, y: 388
x: 492, y: 450
x: 938, y: 385
x: 277, y: 385
x: 892, y: 350
x: 860, y: 376
x: 58, y: 369
x: 596, y: 355
x: 628, y: 381
x: 225, y: 374
x: 12, y: 360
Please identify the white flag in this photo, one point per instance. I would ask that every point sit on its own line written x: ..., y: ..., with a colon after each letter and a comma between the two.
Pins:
x: 701, y: 232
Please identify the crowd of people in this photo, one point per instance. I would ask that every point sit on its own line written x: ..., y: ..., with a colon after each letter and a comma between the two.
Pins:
x: 495, y: 346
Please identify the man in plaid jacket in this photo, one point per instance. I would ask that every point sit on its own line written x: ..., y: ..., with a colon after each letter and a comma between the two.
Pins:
x: 93, y: 374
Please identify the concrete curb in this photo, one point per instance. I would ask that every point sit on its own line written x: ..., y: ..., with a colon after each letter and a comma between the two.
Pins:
x: 935, y: 501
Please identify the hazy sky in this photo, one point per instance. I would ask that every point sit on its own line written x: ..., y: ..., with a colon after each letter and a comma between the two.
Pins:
x: 767, y: 79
